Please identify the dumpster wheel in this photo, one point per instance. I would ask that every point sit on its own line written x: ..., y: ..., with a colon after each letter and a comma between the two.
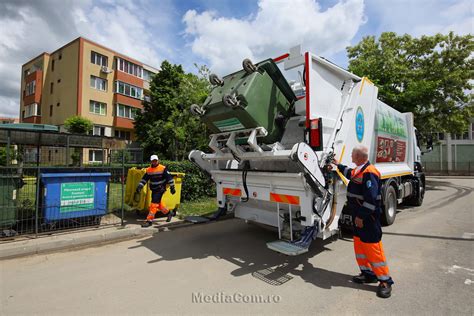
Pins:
x: 215, y: 80
x: 249, y: 66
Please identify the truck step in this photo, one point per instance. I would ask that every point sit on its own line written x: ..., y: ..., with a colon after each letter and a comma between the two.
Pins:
x: 286, y: 248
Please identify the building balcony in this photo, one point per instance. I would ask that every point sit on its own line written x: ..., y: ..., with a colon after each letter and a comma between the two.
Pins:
x: 127, y: 78
x: 35, y: 119
x: 35, y: 97
x: 122, y: 122
x: 126, y: 100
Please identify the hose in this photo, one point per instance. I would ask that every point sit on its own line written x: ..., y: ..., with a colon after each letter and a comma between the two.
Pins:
x: 244, y: 181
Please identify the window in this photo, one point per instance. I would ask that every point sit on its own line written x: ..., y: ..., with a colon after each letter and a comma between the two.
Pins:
x: 31, y: 110
x: 59, y: 80
x: 26, y: 73
x: 96, y: 155
x: 99, y: 59
x: 60, y: 56
x: 98, y: 108
x: 128, y: 90
x: 98, y: 83
x: 58, y: 104
x: 98, y: 131
x: 51, y: 110
x: 130, y: 68
x: 51, y: 86
x: 23, y: 114
x: 52, y: 65
x: 126, y: 111
x: 122, y: 134
x: 30, y: 88
x: 147, y: 75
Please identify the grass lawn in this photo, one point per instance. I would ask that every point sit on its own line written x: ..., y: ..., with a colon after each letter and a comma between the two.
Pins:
x: 205, y: 206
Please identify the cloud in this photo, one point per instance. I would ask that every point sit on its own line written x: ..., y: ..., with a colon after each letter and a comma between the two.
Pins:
x: 277, y: 26
x: 28, y: 28
x: 422, y: 17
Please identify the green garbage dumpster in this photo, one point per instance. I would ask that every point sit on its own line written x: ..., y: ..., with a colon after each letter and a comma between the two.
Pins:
x: 250, y: 99
x: 9, y: 185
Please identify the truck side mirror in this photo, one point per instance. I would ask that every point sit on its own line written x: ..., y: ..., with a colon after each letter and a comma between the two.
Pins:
x: 429, y: 145
x: 429, y: 142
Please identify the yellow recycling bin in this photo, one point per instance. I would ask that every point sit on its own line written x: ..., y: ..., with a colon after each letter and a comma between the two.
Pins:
x: 143, y: 201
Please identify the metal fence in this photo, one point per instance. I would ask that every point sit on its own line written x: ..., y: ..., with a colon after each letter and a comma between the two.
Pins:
x: 55, y: 181
x: 443, y: 168
x: 43, y: 200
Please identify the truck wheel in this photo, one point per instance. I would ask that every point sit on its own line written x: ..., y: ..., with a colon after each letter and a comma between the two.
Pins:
x: 417, y: 199
x: 248, y: 66
x: 389, y: 208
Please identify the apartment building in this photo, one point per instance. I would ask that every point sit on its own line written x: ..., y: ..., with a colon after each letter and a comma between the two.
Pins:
x: 87, y: 79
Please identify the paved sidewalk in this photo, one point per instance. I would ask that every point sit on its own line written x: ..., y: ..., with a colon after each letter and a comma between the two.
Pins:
x: 24, y: 246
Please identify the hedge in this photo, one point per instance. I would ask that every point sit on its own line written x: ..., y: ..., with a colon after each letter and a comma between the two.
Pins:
x: 196, y: 184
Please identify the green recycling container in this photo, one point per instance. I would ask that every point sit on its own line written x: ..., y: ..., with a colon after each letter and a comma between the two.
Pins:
x: 265, y: 99
x: 9, y: 186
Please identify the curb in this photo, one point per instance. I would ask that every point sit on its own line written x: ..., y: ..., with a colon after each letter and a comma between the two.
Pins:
x: 70, y: 241
x: 82, y: 239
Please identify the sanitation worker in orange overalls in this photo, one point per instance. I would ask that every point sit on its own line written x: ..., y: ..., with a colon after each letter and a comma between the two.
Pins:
x: 159, y: 177
x: 364, y: 201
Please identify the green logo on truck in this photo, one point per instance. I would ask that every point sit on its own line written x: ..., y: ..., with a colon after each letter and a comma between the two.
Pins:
x: 391, y: 122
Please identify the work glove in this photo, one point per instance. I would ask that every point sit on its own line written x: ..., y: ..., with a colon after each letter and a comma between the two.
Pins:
x: 172, y: 190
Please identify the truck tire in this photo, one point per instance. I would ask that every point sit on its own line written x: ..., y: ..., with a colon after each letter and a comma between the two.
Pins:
x: 389, y: 207
x: 417, y: 198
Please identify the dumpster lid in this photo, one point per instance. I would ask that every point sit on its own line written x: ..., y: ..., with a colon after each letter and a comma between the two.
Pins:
x: 63, y: 175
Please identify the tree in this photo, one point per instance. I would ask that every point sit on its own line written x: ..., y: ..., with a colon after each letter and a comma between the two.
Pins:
x: 166, y: 126
x: 78, y: 125
x: 430, y: 76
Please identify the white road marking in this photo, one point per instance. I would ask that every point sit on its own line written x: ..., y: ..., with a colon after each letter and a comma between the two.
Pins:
x: 455, y: 268
x: 468, y: 282
x: 468, y: 236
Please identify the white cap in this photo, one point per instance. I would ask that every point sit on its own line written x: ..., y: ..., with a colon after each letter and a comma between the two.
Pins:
x: 154, y: 157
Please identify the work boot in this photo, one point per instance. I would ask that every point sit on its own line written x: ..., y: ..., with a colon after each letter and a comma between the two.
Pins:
x: 147, y: 224
x: 170, y: 216
x: 384, y: 290
x: 364, y: 278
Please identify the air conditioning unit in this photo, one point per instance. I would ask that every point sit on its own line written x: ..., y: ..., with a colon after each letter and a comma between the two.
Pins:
x: 105, y: 69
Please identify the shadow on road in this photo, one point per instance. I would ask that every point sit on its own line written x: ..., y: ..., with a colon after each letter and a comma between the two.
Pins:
x: 245, y: 246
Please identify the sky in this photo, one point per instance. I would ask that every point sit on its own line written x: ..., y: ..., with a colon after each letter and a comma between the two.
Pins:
x: 216, y: 33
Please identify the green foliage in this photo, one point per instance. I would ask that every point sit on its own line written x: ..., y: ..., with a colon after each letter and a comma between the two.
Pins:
x: 166, y: 127
x: 117, y: 156
x: 430, y: 76
x: 196, y: 184
x: 78, y: 125
x: 3, y: 155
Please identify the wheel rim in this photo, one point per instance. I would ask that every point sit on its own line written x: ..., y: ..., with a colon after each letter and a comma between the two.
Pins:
x: 391, y: 205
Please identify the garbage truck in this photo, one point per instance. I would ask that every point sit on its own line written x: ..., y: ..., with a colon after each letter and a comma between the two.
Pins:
x: 273, y: 140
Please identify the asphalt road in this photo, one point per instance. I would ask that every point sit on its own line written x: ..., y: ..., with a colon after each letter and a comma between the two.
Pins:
x: 429, y: 248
